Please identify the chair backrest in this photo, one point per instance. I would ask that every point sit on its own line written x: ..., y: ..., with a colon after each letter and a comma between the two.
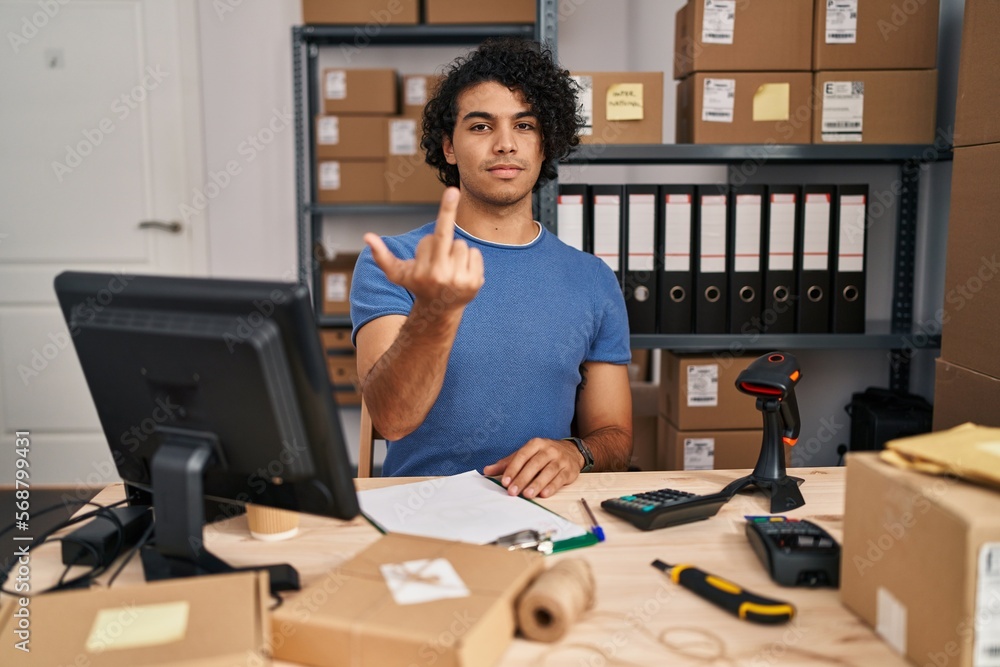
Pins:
x: 366, y: 447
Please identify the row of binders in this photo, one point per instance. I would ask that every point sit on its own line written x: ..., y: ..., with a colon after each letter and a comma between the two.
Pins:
x: 711, y: 259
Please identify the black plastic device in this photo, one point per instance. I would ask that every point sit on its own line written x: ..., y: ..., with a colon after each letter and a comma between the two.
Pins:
x: 105, y: 537
x: 663, y: 508
x: 795, y: 552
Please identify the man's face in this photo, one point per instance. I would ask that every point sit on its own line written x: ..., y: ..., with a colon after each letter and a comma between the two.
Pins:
x: 496, y: 144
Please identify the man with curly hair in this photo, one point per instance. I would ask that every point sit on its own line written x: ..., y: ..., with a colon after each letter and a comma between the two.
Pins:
x: 483, y: 340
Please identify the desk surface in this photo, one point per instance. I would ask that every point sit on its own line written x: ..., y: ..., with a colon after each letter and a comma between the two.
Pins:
x: 635, y: 602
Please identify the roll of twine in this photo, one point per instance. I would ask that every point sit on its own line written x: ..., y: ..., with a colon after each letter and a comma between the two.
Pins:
x: 555, y: 600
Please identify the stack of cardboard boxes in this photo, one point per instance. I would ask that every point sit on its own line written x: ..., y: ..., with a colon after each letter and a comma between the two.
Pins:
x: 621, y: 107
x: 366, y: 150
x: 801, y: 71
x: 967, y: 386
x: 705, y: 423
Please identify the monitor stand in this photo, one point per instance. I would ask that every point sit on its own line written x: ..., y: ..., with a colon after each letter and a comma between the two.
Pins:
x: 178, y: 470
x: 769, y: 474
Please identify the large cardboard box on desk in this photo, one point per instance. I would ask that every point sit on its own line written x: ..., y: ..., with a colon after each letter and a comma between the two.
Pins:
x: 353, y: 616
x: 361, y: 12
x: 212, y: 621
x: 976, y: 117
x: 971, y: 316
x: 698, y: 392
x: 707, y: 449
x: 763, y: 35
x: 921, y: 562
x: 621, y: 107
x: 745, y: 108
x: 964, y: 395
x: 875, y: 34
x: 875, y: 107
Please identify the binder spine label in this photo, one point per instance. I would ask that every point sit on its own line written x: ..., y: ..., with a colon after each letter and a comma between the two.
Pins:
x: 607, y: 229
x: 747, y: 234
x: 816, y: 233
x: 781, y: 246
x: 641, y: 222
x: 677, y: 245
x: 569, y: 214
x: 851, y: 250
x: 713, y: 234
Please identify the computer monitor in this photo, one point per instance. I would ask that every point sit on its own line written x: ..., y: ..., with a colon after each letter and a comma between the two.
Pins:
x: 210, y: 389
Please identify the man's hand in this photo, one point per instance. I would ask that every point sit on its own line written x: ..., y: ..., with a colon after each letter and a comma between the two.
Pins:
x: 539, y: 468
x: 444, y: 271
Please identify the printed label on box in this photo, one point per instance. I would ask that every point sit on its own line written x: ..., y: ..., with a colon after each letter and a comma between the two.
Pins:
x: 718, y: 98
x: 719, y: 22
x: 841, y: 21
x: 890, y: 619
x: 335, y: 87
x: 424, y: 580
x: 843, y: 110
x: 986, y: 649
x: 403, y: 137
x: 703, y: 386
x: 329, y: 175
x: 415, y: 94
x: 335, y: 287
x: 699, y: 453
x: 329, y: 130
x: 586, y: 98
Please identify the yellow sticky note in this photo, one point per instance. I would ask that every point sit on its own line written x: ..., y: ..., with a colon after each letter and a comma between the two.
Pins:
x: 624, y: 101
x: 134, y: 626
x: 770, y: 102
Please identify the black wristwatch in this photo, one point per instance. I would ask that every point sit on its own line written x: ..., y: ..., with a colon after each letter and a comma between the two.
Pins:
x: 588, y: 457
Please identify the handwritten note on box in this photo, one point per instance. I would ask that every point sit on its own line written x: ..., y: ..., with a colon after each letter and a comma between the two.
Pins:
x: 625, y: 101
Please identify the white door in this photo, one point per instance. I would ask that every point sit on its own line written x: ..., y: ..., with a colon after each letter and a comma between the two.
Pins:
x: 99, y: 132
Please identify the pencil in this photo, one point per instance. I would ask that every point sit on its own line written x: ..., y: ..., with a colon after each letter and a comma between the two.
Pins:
x: 596, y: 529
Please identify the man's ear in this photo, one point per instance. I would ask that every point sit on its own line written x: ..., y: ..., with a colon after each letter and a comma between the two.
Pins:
x: 448, y: 149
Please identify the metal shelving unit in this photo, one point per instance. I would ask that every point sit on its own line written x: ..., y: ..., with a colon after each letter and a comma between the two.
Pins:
x: 893, y: 335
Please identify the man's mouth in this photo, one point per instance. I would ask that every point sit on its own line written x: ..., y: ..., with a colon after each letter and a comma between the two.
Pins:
x: 505, y: 170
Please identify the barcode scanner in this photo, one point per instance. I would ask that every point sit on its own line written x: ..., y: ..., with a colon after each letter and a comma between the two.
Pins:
x: 772, y: 379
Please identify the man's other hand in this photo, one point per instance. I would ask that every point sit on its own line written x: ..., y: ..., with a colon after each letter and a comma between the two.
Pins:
x: 539, y: 468
x: 444, y: 270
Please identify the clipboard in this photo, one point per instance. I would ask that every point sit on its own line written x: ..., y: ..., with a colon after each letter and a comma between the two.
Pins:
x: 453, y: 508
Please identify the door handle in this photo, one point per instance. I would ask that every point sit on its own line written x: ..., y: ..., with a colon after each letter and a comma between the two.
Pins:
x: 172, y: 226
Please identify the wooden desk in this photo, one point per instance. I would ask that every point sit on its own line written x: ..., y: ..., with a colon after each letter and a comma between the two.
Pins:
x: 635, y: 602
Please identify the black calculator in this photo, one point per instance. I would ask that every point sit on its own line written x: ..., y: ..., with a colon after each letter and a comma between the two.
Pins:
x: 667, y: 507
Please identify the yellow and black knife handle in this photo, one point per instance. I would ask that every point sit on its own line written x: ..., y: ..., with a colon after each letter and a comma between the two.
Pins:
x: 732, y: 597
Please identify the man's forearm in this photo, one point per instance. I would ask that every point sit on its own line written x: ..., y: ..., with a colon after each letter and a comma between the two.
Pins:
x: 405, y: 382
x: 611, y: 447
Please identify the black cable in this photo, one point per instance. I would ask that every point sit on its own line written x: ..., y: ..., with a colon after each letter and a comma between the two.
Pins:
x: 132, y: 552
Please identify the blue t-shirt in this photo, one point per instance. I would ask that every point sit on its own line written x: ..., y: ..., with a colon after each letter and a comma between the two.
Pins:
x: 544, y: 309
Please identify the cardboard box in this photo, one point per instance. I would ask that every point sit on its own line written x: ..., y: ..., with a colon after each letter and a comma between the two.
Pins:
x: 707, y: 449
x: 408, y: 177
x: 760, y: 36
x: 210, y: 621
x: 892, y: 107
x: 479, y: 11
x: 914, y: 551
x: 357, y: 137
x: 360, y: 91
x: 698, y: 392
x: 963, y: 395
x: 351, y: 617
x: 621, y: 107
x: 644, y: 399
x: 337, y: 274
x: 417, y: 90
x: 745, y: 108
x: 350, y: 181
x: 971, y: 317
x: 976, y: 118
x: 361, y: 12
x: 336, y: 339
x: 343, y: 372
x: 884, y: 34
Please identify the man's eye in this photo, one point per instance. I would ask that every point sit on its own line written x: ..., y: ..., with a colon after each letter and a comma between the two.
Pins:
x: 479, y: 127
x: 525, y: 126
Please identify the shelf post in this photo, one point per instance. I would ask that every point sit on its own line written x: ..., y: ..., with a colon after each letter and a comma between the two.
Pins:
x: 902, y: 293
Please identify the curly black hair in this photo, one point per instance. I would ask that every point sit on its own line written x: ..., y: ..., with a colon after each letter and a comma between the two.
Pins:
x: 518, y: 64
